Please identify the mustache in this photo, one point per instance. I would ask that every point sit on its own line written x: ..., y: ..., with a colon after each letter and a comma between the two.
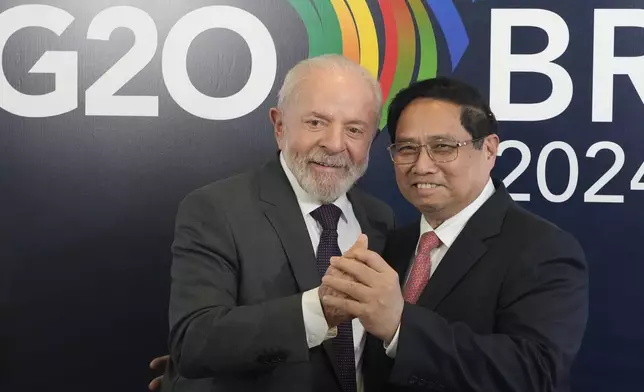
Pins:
x: 328, y: 160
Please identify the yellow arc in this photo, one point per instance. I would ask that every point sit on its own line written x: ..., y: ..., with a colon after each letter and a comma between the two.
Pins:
x: 350, y: 44
x: 367, y: 37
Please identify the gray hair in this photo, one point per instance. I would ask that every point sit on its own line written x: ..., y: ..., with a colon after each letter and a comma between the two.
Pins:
x: 327, y: 62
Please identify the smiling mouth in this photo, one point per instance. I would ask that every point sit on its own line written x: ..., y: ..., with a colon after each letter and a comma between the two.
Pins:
x: 326, y: 165
x: 422, y: 185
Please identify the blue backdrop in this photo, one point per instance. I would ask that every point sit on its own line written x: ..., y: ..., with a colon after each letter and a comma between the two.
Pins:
x: 89, y: 185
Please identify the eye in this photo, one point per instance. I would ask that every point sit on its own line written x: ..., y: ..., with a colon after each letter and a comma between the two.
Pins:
x: 407, y: 149
x: 355, y: 130
x: 443, y: 146
x: 314, y: 123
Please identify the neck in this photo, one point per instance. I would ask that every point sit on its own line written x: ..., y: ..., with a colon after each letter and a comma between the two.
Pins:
x: 436, y: 218
x: 434, y: 223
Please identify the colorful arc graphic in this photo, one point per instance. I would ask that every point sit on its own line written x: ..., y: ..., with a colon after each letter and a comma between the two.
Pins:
x: 407, y: 37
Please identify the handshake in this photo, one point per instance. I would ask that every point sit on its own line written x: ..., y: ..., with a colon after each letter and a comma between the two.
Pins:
x: 335, y: 315
x: 360, y: 284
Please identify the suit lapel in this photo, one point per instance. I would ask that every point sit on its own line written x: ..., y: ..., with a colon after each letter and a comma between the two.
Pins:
x: 400, y: 249
x: 374, y: 230
x: 463, y: 254
x: 283, y: 212
x: 468, y: 248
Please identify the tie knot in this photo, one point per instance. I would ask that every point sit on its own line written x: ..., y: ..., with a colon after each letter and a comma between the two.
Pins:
x: 327, y: 216
x: 428, y: 241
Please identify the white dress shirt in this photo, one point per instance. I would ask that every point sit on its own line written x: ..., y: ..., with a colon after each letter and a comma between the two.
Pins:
x: 317, y: 329
x: 446, y: 233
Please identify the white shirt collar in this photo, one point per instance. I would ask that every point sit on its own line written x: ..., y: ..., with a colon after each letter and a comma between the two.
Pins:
x: 307, y: 202
x: 451, y: 228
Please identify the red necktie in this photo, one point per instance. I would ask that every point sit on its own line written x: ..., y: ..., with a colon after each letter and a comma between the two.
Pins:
x: 422, y: 267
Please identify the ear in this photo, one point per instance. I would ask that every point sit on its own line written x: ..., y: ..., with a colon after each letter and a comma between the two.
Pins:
x: 277, y: 119
x: 491, y: 147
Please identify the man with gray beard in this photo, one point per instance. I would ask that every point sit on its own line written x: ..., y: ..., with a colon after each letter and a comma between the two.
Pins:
x: 250, y: 251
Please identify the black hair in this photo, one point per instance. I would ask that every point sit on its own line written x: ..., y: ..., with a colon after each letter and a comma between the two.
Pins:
x: 476, y: 116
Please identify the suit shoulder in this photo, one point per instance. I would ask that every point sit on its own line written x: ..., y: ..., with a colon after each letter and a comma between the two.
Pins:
x: 519, y: 216
x: 222, y: 192
x: 540, y: 232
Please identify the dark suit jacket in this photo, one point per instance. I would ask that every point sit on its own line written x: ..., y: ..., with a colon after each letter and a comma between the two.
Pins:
x: 242, y: 256
x: 504, y: 311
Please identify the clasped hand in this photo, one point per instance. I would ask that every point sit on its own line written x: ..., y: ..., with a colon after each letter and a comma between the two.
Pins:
x: 360, y: 284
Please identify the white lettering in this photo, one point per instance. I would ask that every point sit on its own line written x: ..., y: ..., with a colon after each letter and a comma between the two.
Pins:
x: 64, y: 65
x: 100, y: 99
x: 503, y: 63
x: 606, y: 65
x: 263, y: 62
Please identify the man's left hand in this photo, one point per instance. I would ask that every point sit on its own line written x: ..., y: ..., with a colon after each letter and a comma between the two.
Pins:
x: 375, y: 296
x: 156, y: 364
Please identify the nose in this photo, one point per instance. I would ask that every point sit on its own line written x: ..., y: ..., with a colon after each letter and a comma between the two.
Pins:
x: 425, y: 164
x: 333, y: 139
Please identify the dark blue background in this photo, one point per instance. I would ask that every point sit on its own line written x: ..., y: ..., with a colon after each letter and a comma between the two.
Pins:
x: 87, y: 204
x: 612, y: 355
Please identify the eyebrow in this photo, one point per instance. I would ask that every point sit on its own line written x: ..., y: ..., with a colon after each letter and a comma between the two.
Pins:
x: 358, y: 122
x: 318, y: 114
x: 406, y: 140
x: 432, y: 138
x: 328, y: 118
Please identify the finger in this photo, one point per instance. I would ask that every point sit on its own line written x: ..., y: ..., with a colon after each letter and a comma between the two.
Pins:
x: 327, y: 290
x: 363, y: 240
x: 353, y: 289
x: 155, y: 384
x: 346, y: 305
x: 334, y: 271
x: 371, y: 259
x: 159, y: 362
x: 361, y: 243
x: 361, y: 272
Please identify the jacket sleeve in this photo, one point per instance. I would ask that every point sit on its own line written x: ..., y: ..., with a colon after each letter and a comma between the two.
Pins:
x: 540, y: 321
x: 209, y: 333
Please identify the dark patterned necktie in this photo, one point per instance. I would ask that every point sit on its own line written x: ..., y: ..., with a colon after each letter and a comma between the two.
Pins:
x: 328, y: 215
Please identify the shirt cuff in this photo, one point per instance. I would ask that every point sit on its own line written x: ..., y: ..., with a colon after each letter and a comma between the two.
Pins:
x: 315, y: 325
x: 390, y: 349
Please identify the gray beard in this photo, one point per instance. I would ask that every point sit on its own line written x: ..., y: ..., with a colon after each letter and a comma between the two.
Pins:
x: 325, y: 187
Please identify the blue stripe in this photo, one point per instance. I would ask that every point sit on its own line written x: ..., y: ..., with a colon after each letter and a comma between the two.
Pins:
x: 453, y: 28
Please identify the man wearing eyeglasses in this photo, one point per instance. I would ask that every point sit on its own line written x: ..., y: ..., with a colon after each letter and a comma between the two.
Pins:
x: 479, y: 294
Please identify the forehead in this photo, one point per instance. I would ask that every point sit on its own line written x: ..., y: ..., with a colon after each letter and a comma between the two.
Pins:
x: 429, y: 118
x: 337, y: 93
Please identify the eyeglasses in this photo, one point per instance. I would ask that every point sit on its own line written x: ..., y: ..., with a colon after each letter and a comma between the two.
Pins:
x: 439, y: 150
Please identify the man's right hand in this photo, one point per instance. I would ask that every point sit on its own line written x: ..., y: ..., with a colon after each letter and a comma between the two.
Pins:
x: 335, y: 316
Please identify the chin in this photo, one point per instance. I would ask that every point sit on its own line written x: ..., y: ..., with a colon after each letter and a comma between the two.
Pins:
x: 422, y: 196
x: 429, y: 208
x: 325, y: 189
x: 428, y: 204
